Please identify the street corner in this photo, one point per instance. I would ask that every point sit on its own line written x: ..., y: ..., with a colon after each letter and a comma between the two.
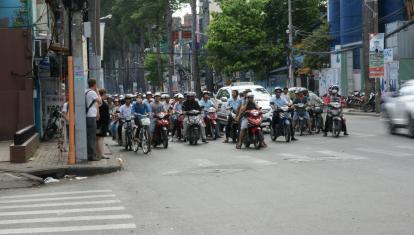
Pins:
x: 11, y: 180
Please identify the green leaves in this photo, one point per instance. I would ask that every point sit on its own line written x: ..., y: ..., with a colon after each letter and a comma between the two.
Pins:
x: 151, y: 67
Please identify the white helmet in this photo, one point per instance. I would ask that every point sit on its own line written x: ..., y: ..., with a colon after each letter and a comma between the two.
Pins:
x: 180, y: 96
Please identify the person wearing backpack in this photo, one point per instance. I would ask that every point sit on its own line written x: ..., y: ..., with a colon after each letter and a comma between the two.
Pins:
x: 93, y: 101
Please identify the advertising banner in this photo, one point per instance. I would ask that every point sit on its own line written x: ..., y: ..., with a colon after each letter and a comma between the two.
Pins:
x: 376, y: 55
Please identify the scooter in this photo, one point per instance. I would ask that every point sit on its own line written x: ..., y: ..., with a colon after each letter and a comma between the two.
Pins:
x: 235, y: 128
x: 194, y: 128
x: 161, y: 130
x: 284, y: 127
x: 300, y: 110
x: 317, y: 118
x: 335, y: 112
x: 254, y: 133
x: 210, y: 119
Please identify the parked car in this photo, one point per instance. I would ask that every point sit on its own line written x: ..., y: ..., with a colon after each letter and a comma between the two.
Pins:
x: 261, y: 96
x: 399, y: 109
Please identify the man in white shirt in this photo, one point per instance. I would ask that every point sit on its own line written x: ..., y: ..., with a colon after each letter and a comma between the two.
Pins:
x: 93, y: 101
x: 124, y: 111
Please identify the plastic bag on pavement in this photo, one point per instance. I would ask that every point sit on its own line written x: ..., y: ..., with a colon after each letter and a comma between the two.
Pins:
x: 51, y: 180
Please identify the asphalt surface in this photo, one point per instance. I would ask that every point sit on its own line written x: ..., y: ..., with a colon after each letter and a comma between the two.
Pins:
x: 361, y: 184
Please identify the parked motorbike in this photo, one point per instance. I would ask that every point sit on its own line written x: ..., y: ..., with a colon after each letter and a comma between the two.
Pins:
x: 370, y: 105
x: 335, y: 112
x: 210, y: 119
x: 301, y: 110
x: 254, y: 133
x: 356, y: 100
x: 194, y: 128
x: 161, y: 130
x: 53, y: 124
x: 317, y: 118
x: 284, y: 127
x: 141, y: 134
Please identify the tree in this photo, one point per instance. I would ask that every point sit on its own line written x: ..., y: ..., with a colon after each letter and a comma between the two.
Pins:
x: 318, y: 41
x: 151, y: 66
x: 237, y: 41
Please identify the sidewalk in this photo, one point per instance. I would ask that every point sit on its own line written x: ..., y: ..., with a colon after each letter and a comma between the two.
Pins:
x: 48, y: 161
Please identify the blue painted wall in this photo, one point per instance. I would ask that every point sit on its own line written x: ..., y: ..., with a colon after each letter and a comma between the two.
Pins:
x: 351, y: 21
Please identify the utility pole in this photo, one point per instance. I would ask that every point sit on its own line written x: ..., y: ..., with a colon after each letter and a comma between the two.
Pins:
x: 370, y: 23
x: 95, y: 41
x: 196, y: 78
x: 170, y: 47
x: 79, y: 85
x: 290, y: 32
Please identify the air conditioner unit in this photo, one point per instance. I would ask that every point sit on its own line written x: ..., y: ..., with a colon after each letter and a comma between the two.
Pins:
x: 40, y: 48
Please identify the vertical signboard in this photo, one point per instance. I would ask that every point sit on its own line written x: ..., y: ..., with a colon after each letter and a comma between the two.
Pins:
x: 376, y: 55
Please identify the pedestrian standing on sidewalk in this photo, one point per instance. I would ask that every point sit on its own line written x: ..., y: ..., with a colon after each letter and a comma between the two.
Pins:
x: 102, y: 125
x: 93, y: 101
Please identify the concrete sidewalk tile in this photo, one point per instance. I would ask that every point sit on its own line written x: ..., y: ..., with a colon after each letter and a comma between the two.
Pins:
x: 48, y: 159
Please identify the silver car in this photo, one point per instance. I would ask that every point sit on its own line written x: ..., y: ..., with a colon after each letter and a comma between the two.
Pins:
x: 261, y: 96
x: 399, y: 109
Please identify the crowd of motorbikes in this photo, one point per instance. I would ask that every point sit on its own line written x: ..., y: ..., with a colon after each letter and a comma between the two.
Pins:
x: 135, y: 134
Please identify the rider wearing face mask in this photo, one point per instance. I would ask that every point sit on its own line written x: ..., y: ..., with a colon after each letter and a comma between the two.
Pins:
x: 334, y: 96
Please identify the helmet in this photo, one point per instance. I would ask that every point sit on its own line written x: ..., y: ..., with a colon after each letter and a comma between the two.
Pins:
x: 180, y: 96
x: 121, y: 97
x: 166, y: 96
x: 278, y: 88
x: 128, y: 96
x: 157, y: 94
x: 191, y: 93
x: 250, y: 95
x: 149, y: 93
x: 176, y: 95
x: 139, y: 95
x: 206, y: 93
x: 335, y: 89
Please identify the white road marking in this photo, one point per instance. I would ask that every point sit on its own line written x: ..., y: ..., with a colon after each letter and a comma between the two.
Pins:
x: 257, y: 161
x: 66, y: 219
x: 61, y: 211
x: 68, y: 229
x: 57, y: 198
x: 203, y: 162
x: 385, y: 152
x: 296, y: 158
x: 333, y: 155
x: 60, y: 204
x: 56, y: 194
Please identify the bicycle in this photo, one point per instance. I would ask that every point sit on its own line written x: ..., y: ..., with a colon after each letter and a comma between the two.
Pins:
x: 141, y: 137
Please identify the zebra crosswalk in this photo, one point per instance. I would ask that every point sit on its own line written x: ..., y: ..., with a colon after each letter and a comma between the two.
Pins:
x: 63, y: 212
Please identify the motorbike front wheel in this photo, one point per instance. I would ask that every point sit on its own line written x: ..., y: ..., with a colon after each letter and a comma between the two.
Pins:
x: 336, y: 128
x: 256, y: 141
x: 164, y: 137
x: 287, y: 133
x: 135, y: 141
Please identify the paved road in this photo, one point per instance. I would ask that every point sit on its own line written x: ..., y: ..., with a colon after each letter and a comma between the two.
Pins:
x: 361, y: 184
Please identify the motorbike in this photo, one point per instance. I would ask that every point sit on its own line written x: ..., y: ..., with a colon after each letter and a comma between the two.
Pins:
x: 127, y: 137
x: 254, y: 133
x: 335, y: 112
x: 235, y: 128
x: 161, y: 130
x: 178, y: 119
x: 53, y: 124
x: 210, y: 119
x: 141, y: 134
x: 194, y: 128
x: 356, y: 100
x: 317, y: 118
x: 370, y: 105
x: 283, y: 128
x: 300, y: 110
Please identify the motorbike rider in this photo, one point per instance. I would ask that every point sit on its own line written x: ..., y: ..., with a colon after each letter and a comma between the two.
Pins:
x: 334, y: 97
x: 189, y: 105
x: 114, y: 117
x: 285, y: 95
x: 148, y: 97
x: 206, y: 102
x: 125, y: 111
x: 140, y: 109
x: 276, y: 102
x: 234, y: 103
x: 301, y: 99
x: 249, y: 104
x: 156, y: 108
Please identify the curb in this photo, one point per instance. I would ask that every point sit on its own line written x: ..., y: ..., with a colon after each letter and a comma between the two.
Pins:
x: 59, y: 172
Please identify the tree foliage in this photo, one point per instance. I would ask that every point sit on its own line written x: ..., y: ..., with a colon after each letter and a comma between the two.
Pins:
x: 316, y: 42
x: 151, y: 67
